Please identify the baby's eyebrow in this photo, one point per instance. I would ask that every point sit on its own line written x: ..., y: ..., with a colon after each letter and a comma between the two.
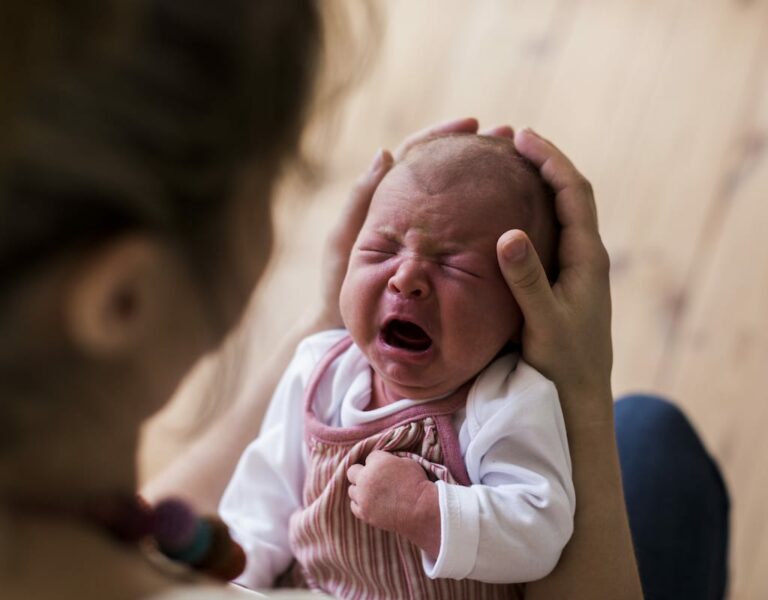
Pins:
x: 387, y: 233
x: 433, y: 248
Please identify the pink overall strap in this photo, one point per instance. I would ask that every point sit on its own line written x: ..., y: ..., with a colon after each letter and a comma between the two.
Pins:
x: 335, y: 351
x: 444, y: 422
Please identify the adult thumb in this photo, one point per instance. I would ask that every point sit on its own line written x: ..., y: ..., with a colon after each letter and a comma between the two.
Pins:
x: 525, y: 276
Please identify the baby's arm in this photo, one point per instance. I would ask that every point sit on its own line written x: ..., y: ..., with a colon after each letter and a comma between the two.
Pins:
x: 267, y: 485
x: 394, y: 494
x: 512, y: 524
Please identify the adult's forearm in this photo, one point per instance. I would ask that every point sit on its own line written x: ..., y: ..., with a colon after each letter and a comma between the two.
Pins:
x: 599, y: 560
x: 201, y: 473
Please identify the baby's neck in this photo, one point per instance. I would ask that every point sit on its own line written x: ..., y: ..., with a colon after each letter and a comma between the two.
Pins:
x: 381, y: 395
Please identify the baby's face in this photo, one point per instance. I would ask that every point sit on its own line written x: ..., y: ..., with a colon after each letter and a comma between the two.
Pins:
x: 424, y: 298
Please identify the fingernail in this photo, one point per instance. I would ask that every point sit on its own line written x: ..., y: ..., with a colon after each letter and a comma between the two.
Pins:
x: 378, y: 160
x: 515, y: 250
x: 382, y: 157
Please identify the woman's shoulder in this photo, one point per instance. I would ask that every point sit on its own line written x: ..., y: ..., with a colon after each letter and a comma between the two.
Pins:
x: 231, y: 592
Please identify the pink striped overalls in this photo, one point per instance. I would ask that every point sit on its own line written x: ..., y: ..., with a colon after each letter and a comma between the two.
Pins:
x: 339, y: 554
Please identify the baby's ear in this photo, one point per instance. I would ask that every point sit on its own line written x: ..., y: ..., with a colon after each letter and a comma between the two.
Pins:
x: 117, y: 296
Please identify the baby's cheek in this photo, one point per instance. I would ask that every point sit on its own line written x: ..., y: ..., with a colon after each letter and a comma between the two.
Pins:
x: 502, y: 320
x: 359, y: 301
x: 350, y: 302
x: 345, y: 305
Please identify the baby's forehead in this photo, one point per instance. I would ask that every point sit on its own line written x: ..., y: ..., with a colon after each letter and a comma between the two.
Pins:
x: 470, y: 168
x: 470, y: 161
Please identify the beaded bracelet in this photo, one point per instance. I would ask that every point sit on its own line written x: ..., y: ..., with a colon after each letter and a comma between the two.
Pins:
x: 203, y: 543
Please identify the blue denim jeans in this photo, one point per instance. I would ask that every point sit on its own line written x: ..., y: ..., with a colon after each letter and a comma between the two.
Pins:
x: 676, y: 501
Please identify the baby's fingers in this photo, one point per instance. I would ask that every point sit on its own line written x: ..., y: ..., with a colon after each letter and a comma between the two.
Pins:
x: 353, y: 473
x: 353, y: 493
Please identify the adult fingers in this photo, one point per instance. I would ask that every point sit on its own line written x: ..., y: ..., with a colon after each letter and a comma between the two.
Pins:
x: 575, y: 203
x: 580, y: 243
x: 465, y: 125
x: 499, y: 131
x: 356, y: 209
x: 342, y: 238
x: 526, y: 278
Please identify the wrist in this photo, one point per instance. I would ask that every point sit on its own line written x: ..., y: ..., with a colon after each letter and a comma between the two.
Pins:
x: 586, y: 405
x: 422, y: 524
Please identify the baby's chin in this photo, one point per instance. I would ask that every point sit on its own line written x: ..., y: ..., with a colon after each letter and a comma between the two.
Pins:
x: 398, y: 388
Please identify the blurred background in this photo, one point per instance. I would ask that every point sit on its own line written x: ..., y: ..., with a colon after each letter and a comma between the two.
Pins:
x: 663, y: 105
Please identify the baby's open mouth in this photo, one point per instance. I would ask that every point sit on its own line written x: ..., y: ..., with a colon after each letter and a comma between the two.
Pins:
x: 406, y: 335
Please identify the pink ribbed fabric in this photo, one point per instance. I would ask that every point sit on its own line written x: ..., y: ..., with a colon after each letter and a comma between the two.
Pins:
x: 339, y: 554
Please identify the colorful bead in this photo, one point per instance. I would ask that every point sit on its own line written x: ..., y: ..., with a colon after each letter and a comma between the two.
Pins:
x: 225, y: 559
x: 175, y: 525
x: 195, y: 551
x: 203, y: 543
x: 219, y: 548
x: 231, y: 567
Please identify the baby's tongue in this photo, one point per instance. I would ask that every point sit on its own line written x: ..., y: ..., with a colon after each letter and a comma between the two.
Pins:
x: 409, y: 335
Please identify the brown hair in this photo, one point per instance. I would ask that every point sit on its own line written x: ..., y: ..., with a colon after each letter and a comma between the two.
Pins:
x: 137, y: 115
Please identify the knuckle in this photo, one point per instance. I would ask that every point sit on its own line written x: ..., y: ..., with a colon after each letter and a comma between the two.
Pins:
x: 601, y: 260
x: 586, y: 187
x: 529, y: 281
x: 604, y: 260
x: 376, y: 456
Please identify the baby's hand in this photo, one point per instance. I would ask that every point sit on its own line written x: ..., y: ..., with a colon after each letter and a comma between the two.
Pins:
x: 394, y: 494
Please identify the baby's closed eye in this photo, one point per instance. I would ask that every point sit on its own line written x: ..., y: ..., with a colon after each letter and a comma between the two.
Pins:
x: 460, y: 265
x: 375, y: 253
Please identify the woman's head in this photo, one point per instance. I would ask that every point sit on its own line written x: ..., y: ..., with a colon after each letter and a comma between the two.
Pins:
x: 135, y: 190
x: 148, y: 133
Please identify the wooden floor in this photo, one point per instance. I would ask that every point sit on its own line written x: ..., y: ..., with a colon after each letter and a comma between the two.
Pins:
x: 664, y: 105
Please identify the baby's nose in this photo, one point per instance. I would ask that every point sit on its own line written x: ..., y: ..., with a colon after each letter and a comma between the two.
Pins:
x: 410, y: 280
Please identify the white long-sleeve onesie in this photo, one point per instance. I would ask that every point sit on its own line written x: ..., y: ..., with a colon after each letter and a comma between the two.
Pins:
x: 509, y: 526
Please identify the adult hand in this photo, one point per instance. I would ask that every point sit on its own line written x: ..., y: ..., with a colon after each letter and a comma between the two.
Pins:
x: 342, y: 237
x: 567, y: 330
x: 567, y: 336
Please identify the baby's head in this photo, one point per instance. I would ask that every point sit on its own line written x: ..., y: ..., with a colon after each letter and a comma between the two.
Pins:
x: 424, y: 298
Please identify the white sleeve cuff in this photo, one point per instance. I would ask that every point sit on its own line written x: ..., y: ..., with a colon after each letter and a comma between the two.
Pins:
x: 459, y: 533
